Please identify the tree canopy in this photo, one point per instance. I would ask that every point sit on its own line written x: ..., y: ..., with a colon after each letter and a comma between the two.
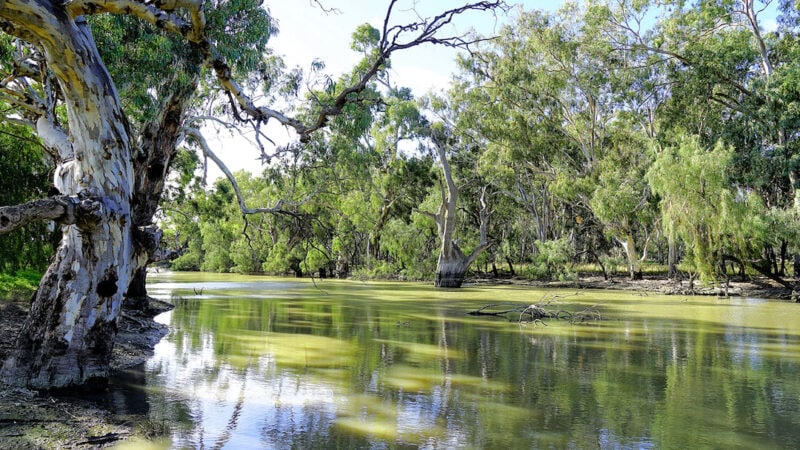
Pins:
x: 613, y: 133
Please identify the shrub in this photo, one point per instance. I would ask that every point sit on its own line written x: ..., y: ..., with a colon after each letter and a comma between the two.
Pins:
x: 552, y: 261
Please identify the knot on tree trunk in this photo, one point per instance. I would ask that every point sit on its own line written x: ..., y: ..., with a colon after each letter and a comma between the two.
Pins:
x: 147, y: 239
x: 87, y: 211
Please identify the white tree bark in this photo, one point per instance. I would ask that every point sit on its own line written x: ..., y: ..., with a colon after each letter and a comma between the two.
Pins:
x: 452, y: 264
x: 68, y: 336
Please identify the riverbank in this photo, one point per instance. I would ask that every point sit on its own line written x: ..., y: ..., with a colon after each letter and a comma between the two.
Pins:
x: 760, y: 287
x: 31, y: 420
x: 41, y: 420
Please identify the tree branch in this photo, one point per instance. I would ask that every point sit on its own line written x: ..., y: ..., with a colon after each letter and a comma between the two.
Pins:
x: 422, y: 32
x: 277, y: 209
x: 62, y: 208
x: 392, y: 40
x: 156, y: 13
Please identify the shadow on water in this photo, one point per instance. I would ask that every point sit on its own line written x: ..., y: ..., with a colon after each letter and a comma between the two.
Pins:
x: 123, y: 394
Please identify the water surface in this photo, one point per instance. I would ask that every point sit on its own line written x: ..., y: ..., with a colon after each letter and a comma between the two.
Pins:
x: 256, y: 362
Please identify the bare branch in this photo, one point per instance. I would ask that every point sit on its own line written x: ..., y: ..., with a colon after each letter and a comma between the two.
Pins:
x: 277, y: 209
x: 325, y: 9
x: 82, y: 209
x: 394, y: 38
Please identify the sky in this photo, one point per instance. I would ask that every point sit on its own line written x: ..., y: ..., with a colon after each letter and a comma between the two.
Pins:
x: 307, y: 32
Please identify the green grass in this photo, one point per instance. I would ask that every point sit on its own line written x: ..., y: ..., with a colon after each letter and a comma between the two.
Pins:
x: 19, y: 285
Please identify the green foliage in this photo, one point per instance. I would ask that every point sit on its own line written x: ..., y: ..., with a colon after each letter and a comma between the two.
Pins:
x: 700, y: 206
x: 585, y: 132
x: 551, y: 262
x: 24, y: 177
x: 149, y: 65
x: 19, y: 285
x: 365, y: 38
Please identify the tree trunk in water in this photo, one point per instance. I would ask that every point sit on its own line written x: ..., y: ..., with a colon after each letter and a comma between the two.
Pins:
x: 151, y: 167
x: 450, y: 271
x: 672, y: 259
x: 452, y: 264
x: 68, y: 336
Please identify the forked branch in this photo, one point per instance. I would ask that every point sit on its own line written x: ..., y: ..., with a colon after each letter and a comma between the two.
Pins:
x: 200, y: 140
x: 393, y: 38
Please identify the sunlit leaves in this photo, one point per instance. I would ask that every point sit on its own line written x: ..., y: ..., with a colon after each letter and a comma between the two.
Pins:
x: 25, y: 177
x: 701, y: 207
x: 365, y: 38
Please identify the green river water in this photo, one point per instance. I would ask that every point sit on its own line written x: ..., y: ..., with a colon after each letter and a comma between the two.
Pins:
x: 256, y: 362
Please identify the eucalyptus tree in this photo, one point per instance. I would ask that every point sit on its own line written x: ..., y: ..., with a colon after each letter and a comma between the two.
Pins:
x: 400, y: 180
x: 456, y: 149
x: 703, y: 209
x: 526, y: 94
x: 111, y: 175
x: 566, y: 114
x: 621, y: 199
x: 731, y: 80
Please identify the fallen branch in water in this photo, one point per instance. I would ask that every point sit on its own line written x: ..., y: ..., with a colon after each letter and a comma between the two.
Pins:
x: 535, y: 313
x: 482, y: 311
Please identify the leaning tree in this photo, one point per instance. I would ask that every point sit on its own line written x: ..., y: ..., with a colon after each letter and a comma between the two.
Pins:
x: 109, y: 174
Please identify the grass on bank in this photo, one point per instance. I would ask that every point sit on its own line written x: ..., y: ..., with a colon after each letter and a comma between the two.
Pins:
x: 19, y: 285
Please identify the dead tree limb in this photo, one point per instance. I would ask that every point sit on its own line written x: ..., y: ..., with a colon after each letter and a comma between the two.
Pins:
x: 64, y: 209
x: 547, y: 308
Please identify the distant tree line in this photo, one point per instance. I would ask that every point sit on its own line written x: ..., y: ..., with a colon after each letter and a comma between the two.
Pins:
x: 610, y: 134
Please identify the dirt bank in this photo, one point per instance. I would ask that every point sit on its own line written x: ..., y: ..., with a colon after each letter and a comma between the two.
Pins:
x: 755, y: 288
x: 38, y: 420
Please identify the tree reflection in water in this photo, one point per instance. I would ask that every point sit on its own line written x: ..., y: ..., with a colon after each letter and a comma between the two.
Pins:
x: 377, y: 365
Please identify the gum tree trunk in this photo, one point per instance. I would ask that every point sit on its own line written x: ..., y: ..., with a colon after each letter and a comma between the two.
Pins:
x: 452, y: 265
x: 451, y: 269
x: 632, y: 257
x: 69, y: 334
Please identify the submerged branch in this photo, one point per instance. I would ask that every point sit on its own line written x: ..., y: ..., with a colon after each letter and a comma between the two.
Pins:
x: 535, y: 313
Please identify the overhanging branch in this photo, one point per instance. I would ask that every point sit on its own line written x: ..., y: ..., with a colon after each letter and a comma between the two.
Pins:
x: 201, y: 141
x: 62, y: 208
x: 393, y: 39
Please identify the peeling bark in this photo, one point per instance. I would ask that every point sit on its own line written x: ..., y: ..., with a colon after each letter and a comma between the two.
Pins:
x: 68, y: 335
x: 452, y: 264
x: 13, y: 217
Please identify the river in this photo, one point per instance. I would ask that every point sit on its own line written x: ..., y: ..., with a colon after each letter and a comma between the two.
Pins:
x: 257, y: 362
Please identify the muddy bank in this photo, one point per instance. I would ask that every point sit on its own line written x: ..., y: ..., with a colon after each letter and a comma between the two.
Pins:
x: 755, y: 288
x: 76, y: 419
